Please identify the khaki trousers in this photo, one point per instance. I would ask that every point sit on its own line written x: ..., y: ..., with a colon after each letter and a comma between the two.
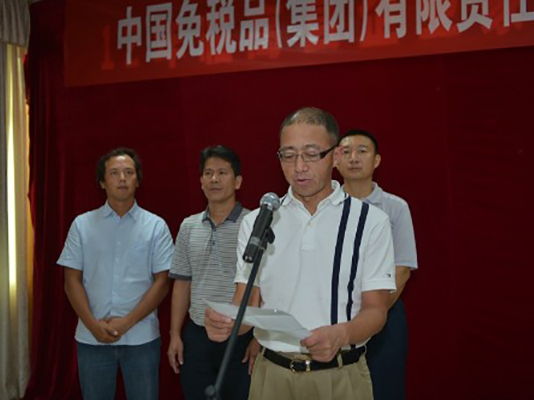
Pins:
x: 272, y: 382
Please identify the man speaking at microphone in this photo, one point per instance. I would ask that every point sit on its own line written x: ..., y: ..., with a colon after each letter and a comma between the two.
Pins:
x: 331, y: 266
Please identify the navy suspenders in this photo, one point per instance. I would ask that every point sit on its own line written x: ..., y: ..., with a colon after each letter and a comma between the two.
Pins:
x: 356, y: 256
x: 337, y: 259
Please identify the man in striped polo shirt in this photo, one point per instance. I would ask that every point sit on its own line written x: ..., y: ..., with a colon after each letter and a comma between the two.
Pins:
x: 387, y: 351
x: 330, y: 266
x: 204, y: 267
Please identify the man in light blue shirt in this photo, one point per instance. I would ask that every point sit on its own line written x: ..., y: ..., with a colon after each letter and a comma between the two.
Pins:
x: 387, y: 350
x: 116, y: 261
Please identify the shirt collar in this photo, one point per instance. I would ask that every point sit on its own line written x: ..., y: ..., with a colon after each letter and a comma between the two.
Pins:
x: 133, y: 212
x: 233, y: 216
x: 376, y: 195
x: 336, y: 197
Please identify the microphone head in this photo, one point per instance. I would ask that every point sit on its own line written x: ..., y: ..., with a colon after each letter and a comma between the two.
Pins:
x: 271, y: 201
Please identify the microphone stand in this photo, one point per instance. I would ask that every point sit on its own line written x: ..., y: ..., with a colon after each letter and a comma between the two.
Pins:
x: 213, y: 391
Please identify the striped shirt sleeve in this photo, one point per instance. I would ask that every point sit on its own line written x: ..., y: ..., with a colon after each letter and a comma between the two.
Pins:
x: 181, y: 265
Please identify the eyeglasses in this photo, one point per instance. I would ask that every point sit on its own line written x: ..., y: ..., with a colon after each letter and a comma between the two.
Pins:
x: 311, y: 155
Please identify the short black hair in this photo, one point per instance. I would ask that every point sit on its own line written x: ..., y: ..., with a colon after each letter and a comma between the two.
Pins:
x: 120, y: 151
x: 361, y: 132
x: 313, y: 116
x: 222, y: 152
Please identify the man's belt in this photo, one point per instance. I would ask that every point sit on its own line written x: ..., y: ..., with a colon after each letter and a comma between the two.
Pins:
x: 343, y: 358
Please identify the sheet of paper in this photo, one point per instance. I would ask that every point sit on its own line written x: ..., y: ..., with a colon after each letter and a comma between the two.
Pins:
x: 271, y: 320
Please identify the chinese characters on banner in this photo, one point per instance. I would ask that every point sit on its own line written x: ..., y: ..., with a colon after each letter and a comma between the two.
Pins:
x: 126, y: 40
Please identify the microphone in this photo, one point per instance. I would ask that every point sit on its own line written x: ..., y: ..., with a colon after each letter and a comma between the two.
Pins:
x: 269, y: 203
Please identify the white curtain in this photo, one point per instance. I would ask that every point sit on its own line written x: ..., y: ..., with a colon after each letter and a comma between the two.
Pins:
x: 15, y: 230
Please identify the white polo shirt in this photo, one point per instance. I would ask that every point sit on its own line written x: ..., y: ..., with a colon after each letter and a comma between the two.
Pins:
x: 319, y: 264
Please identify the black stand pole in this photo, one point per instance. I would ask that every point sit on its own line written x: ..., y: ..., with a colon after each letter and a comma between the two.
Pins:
x: 213, y: 391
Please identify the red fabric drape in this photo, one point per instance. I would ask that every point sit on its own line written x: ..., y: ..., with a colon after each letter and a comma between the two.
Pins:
x: 457, y: 143
x: 52, y: 357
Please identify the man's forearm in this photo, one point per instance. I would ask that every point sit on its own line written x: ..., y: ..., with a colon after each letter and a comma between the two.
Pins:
x: 181, y: 297
x: 151, y: 299
x: 402, y: 274
x: 78, y: 297
x: 254, y: 301
x: 369, y: 320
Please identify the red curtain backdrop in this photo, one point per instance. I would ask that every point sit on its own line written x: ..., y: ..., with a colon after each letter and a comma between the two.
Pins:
x: 457, y: 140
